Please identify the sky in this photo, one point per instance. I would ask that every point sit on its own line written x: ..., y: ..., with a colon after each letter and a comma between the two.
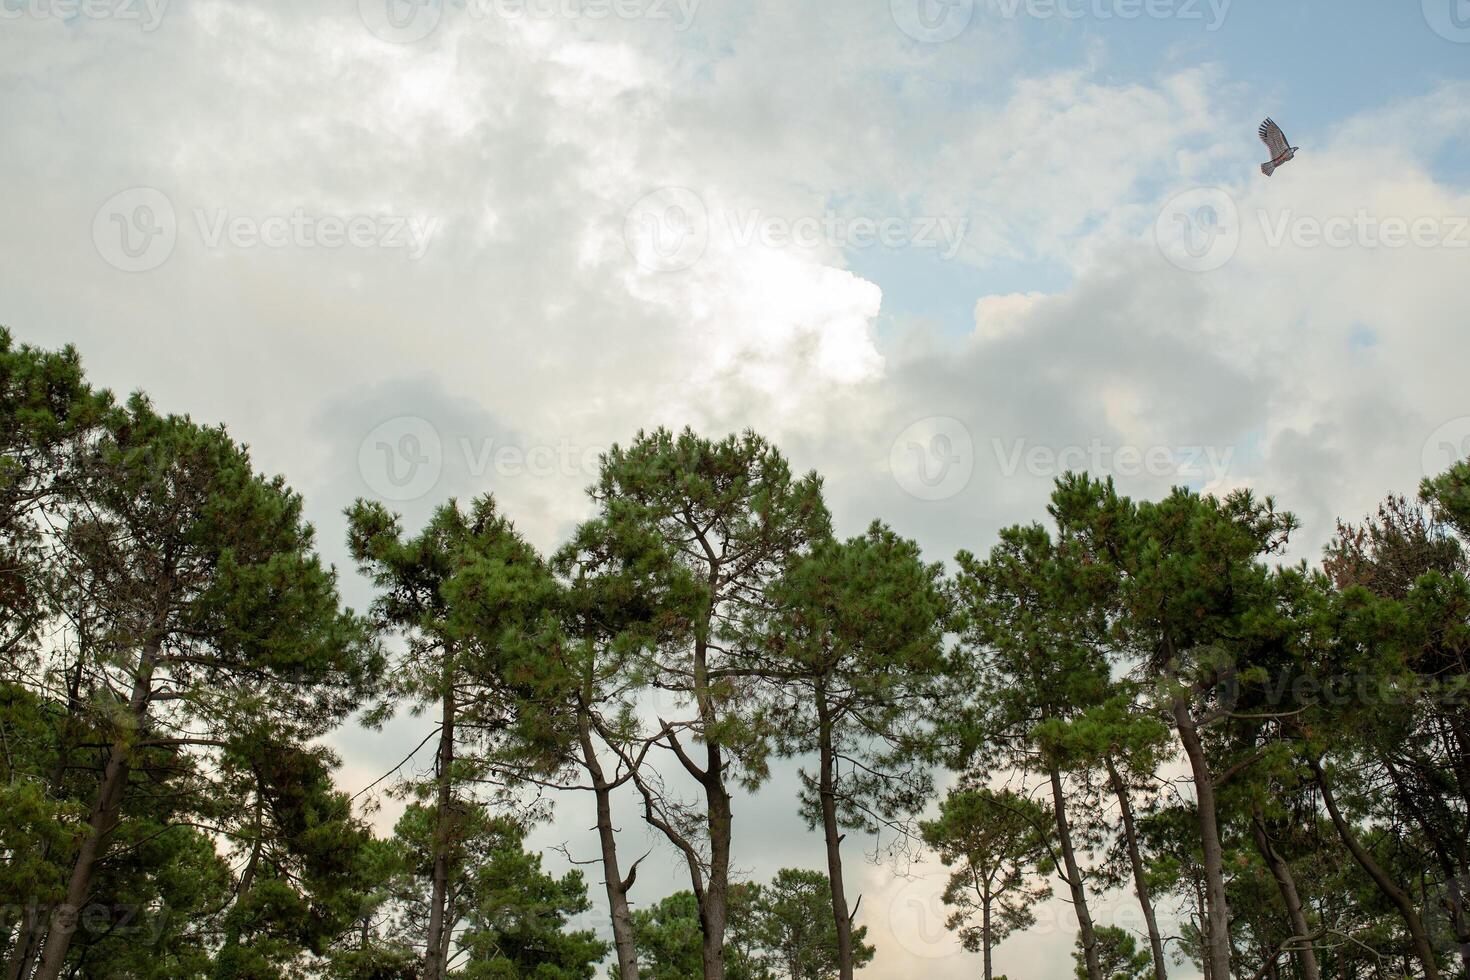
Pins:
x: 938, y: 250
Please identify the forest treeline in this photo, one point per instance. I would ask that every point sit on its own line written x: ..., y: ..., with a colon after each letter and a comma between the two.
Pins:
x: 1140, y: 698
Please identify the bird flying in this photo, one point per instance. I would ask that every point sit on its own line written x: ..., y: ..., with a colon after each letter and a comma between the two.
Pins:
x: 1276, y: 141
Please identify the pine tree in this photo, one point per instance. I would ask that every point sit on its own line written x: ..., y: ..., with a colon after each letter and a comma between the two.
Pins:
x: 995, y: 842
x: 1032, y: 623
x: 855, y: 657
x: 212, y: 615
x: 1119, y: 955
x: 792, y: 926
x: 730, y: 519
x: 1191, y: 581
x: 470, y: 599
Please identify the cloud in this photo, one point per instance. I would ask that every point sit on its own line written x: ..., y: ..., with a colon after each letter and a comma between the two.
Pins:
x: 998, y: 316
x: 529, y: 324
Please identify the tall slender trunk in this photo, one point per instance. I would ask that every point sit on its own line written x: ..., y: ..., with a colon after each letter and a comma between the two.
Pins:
x: 828, y: 794
x: 1386, y: 885
x: 1460, y: 919
x: 985, y: 937
x: 102, y: 819
x: 1457, y: 748
x: 617, y: 887
x: 714, y: 905
x: 709, y: 874
x: 1140, y: 876
x: 446, y: 938
x: 31, y: 929
x: 30, y: 933
x: 1306, y: 956
x: 224, y: 966
x: 1216, y: 907
x: 1207, y: 959
x: 1453, y: 857
x: 435, y: 965
x: 1074, y: 876
x: 714, y: 898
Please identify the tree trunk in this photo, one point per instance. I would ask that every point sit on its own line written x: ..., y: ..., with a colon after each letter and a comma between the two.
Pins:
x: 617, y: 888
x: 1306, y: 956
x: 435, y: 965
x: 714, y: 898
x: 828, y: 794
x: 712, y: 895
x: 31, y: 930
x: 1386, y: 885
x: 985, y: 938
x: 446, y: 938
x: 1140, y: 879
x: 1216, y: 907
x: 1074, y: 876
x: 1207, y: 961
x: 30, y: 934
x: 224, y: 967
x: 1273, y: 972
x: 1460, y: 920
x: 1453, y: 856
x: 714, y: 905
x: 101, y: 821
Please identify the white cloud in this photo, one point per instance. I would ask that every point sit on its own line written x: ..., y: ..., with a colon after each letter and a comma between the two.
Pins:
x: 528, y: 321
x: 997, y: 316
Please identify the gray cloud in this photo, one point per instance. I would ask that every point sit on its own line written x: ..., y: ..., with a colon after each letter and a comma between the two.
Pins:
x: 526, y: 324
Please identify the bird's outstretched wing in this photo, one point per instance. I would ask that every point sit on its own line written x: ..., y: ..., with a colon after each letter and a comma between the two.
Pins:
x: 1274, y: 138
